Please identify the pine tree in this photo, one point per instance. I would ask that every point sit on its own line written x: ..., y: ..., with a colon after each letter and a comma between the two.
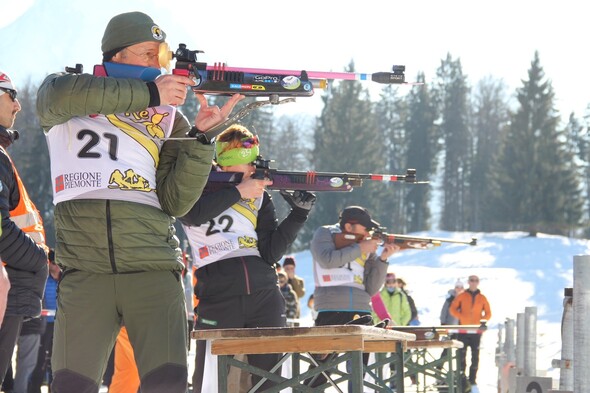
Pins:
x: 489, y: 122
x: 454, y: 110
x: 390, y: 113
x: 537, y: 184
x: 423, y: 146
x: 294, y: 138
x: 345, y: 140
x: 578, y: 145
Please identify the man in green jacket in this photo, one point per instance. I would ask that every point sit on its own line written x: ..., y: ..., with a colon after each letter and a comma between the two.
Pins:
x: 117, y: 183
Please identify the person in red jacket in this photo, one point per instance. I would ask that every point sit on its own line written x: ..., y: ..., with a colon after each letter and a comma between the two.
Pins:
x: 470, y: 308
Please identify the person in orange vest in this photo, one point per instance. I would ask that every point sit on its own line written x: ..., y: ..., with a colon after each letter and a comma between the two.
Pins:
x: 22, y: 243
x: 126, y: 376
x: 4, y: 288
x: 471, y: 307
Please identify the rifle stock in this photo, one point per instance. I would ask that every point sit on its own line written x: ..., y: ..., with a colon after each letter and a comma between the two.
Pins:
x: 403, y: 241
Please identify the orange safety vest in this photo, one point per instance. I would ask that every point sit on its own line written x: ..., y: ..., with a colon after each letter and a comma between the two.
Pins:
x: 25, y: 215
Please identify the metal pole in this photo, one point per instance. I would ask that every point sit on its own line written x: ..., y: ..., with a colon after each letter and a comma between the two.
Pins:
x: 509, y: 341
x: 520, y: 341
x: 530, y: 342
x: 581, y: 305
x: 500, y: 355
x: 566, y: 372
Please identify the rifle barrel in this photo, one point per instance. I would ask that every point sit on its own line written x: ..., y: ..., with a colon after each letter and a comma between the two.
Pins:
x: 472, y: 242
x: 380, y: 77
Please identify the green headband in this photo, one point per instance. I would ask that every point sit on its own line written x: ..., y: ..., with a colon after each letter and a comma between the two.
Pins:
x: 241, y: 155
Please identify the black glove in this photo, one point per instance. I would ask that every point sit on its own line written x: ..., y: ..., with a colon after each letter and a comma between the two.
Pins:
x: 383, y: 324
x: 364, y: 320
x: 299, y: 199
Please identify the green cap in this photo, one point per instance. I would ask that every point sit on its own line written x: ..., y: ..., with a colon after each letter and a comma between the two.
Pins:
x: 129, y: 29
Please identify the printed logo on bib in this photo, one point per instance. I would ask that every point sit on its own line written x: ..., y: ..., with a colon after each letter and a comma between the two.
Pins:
x: 247, y: 242
x: 341, y: 277
x: 213, y: 249
x: 77, y: 179
x: 130, y: 181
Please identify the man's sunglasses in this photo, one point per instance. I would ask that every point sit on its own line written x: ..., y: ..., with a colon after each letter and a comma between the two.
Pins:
x: 11, y: 93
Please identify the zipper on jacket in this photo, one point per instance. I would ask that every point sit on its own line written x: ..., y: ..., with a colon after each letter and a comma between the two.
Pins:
x: 246, y: 276
x: 110, y: 237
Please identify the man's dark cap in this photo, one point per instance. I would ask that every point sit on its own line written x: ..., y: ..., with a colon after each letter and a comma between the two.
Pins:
x: 358, y: 215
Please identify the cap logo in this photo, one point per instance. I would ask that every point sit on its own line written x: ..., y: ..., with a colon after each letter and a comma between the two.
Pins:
x: 4, y: 78
x: 157, y: 33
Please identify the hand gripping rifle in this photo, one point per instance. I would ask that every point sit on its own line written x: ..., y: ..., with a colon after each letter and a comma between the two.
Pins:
x: 305, y: 181
x: 404, y: 241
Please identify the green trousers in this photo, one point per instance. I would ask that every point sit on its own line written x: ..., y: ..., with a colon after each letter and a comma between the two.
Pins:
x: 92, y: 308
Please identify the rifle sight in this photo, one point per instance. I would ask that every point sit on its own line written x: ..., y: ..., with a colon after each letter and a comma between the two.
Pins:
x: 184, y: 54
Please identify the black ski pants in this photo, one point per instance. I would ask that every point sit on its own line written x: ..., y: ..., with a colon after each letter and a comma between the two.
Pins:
x: 265, y: 308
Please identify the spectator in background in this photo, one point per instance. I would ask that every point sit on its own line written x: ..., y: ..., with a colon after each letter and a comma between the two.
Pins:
x: 4, y: 288
x: 22, y: 243
x: 295, y: 281
x: 470, y: 308
x: 395, y: 302
x: 292, y: 310
x: 27, y: 350
x: 310, y: 304
x: 43, y: 371
x: 125, y: 378
x: 187, y: 283
x: 414, y: 320
x: 446, y: 318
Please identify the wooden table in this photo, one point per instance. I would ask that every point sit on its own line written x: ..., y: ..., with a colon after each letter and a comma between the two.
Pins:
x: 418, y: 360
x: 423, y: 359
x: 349, y: 341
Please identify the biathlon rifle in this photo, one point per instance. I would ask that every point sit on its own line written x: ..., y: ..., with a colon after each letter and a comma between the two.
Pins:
x: 404, y: 241
x: 220, y: 79
x: 305, y: 181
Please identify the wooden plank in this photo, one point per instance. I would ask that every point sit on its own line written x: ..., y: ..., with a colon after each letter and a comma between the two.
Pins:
x: 434, y: 332
x: 390, y: 346
x: 381, y: 346
x: 367, y: 332
x: 435, y: 344
x: 287, y: 345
